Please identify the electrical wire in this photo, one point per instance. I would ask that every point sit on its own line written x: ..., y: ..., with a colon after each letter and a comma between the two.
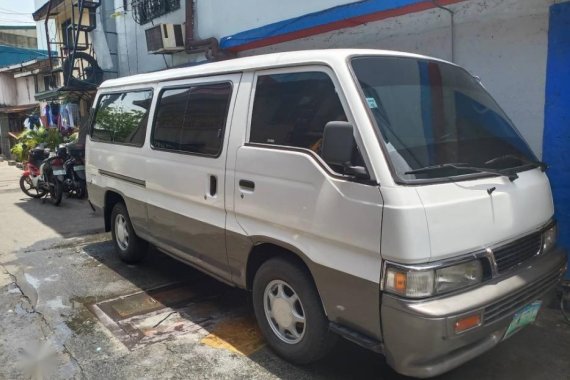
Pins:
x: 12, y: 12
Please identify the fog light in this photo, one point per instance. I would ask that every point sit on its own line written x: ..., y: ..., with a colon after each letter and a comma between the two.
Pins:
x: 467, y: 323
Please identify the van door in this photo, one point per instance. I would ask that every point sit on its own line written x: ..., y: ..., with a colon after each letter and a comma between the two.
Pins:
x: 186, y: 169
x: 286, y: 194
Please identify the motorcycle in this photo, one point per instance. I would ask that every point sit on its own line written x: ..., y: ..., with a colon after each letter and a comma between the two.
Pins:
x: 74, y: 183
x: 44, y: 175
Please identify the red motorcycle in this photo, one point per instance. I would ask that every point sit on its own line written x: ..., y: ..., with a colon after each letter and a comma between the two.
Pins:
x: 44, y: 175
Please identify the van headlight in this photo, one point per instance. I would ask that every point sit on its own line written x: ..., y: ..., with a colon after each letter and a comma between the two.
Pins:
x: 549, y: 238
x: 420, y: 283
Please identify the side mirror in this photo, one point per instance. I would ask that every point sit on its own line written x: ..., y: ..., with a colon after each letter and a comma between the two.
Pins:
x: 337, y: 148
x: 338, y: 143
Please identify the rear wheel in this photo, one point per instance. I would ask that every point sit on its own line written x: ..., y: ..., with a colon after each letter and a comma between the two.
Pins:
x: 56, y: 191
x: 129, y: 246
x: 289, y: 312
x: 28, y: 188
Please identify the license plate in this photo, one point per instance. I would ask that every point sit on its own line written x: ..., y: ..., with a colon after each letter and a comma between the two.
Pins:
x: 79, y: 167
x: 523, y: 317
x: 59, y: 172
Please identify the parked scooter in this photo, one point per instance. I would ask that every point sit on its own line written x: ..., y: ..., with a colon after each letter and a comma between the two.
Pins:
x: 74, y: 184
x: 44, y: 175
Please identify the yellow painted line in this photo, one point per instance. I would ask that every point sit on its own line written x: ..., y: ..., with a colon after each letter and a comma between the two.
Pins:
x: 239, y: 335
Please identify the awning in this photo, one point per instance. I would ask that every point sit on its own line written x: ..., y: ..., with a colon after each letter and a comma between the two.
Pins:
x: 18, y: 109
x: 66, y: 93
x: 41, y: 12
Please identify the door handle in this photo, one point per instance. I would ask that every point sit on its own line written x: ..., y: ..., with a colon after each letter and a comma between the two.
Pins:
x: 245, y: 184
x: 213, y: 185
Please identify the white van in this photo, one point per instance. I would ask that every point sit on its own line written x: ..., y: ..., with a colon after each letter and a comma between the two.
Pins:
x: 381, y: 196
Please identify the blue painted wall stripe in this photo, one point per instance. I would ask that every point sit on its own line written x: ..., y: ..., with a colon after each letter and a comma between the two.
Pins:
x: 556, y: 142
x: 315, y: 19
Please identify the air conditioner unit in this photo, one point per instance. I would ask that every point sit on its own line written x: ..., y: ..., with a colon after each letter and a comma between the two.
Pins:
x: 164, y: 39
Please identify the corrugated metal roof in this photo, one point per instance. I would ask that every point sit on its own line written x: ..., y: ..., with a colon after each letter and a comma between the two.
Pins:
x: 10, y: 55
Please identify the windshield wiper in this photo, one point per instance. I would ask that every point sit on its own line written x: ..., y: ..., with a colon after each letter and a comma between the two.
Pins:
x: 461, y: 166
x: 542, y: 165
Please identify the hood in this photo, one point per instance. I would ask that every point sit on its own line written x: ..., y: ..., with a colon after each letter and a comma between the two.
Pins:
x: 463, y: 216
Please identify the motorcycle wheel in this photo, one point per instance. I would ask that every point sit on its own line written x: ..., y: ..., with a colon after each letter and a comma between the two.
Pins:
x: 82, y: 190
x: 28, y: 188
x: 56, y: 191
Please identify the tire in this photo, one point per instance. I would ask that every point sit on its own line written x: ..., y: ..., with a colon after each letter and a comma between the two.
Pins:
x: 82, y: 191
x: 56, y: 191
x: 26, y: 180
x: 312, y: 339
x: 130, y: 248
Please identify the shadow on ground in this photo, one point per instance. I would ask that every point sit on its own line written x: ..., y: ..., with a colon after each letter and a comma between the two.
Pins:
x: 72, y: 218
x: 346, y: 361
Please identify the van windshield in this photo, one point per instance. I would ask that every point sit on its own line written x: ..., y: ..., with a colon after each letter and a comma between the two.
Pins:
x: 437, y: 121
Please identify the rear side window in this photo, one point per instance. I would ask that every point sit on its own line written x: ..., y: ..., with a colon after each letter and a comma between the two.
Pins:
x: 122, y: 117
x: 293, y: 109
x: 192, y: 119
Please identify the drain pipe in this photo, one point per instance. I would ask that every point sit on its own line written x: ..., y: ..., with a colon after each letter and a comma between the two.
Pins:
x: 452, y: 15
x: 209, y: 46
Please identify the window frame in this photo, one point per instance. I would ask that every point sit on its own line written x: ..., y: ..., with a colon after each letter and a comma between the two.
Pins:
x: 187, y: 86
x: 327, y: 70
x: 94, y: 117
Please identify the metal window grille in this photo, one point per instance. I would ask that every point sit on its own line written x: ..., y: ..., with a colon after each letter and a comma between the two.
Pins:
x: 146, y: 10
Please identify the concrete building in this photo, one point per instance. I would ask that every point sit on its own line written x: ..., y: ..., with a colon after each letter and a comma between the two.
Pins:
x: 18, y: 36
x: 19, y: 70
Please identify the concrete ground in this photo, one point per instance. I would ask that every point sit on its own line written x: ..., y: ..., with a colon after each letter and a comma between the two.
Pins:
x: 69, y: 309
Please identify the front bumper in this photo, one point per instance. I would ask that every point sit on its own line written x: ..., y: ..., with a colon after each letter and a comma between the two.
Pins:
x: 419, y: 339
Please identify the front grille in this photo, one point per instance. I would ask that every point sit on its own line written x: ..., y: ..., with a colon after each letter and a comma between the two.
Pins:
x: 516, y: 252
x: 510, y: 304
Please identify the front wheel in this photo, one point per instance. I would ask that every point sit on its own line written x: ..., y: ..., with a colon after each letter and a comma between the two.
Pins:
x: 29, y: 189
x: 129, y: 246
x: 56, y: 191
x: 290, y: 313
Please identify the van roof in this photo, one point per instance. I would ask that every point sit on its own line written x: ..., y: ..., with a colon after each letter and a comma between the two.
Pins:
x: 326, y: 56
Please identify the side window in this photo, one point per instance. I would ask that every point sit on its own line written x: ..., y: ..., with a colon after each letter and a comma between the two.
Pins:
x: 192, y: 119
x: 122, y: 117
x: 293, y: 109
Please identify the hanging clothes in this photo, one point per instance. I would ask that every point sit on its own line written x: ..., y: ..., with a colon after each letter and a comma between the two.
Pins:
x: 44, y: 110
x: 69, y: 114
x: 34, y: 121
x: 73, y: 114
x: 53, y: 115
x: 64, y: 118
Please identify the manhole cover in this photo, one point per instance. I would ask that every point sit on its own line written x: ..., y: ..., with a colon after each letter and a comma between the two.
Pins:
x: 211, y: 312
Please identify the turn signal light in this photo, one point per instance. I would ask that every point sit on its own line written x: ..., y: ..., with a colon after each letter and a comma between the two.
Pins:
x: 400, y: 283
x: 467, y: 323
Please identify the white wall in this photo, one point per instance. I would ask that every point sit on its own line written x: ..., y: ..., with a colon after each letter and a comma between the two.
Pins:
x: 41, y: 34
x: 16, y: 91
x: 132, y: 53
x: 26, y: 90
x: 213, y: 18
x: 219, y: 18
x: 504, y: 42
x: 8, y: 94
